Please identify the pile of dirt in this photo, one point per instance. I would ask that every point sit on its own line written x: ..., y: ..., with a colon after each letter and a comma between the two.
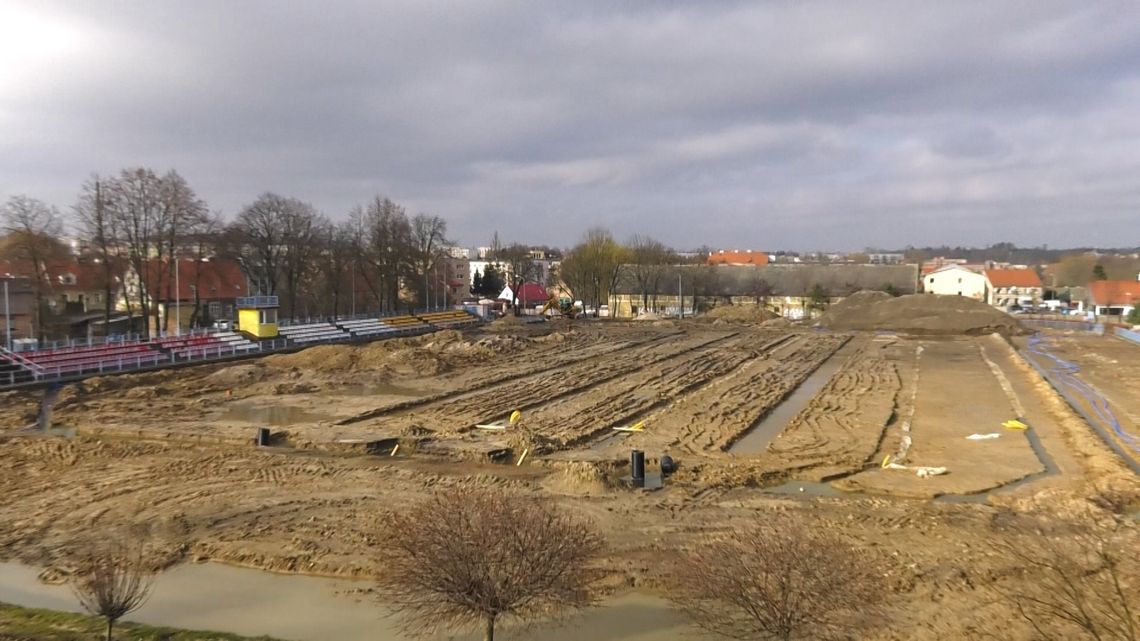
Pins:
x: 577, y: 478
x: 508, y: 322
x: 779, y: 321
x: 918, y: 314
x: 739, y: 314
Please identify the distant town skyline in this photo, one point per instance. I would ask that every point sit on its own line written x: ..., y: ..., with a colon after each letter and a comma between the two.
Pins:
x: 797, y: 126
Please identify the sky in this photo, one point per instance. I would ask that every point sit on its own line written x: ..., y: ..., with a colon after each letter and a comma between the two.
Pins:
x: 789, y: 124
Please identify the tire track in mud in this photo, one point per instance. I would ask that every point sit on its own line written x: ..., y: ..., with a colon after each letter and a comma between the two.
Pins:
x: 638, y: 396
x: 843, y: 426
x: 495, y: 403
x: 715, y: 416
x: 510, y: 372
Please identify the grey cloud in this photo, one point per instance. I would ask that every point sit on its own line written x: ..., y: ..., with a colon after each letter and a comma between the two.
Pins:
x: 805, y: 124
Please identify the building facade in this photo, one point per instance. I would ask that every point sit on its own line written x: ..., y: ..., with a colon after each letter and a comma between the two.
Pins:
x: 956, y: 280
x: 1009, y: 288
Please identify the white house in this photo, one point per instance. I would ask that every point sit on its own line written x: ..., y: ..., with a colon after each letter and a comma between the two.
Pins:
x: 955, y: 280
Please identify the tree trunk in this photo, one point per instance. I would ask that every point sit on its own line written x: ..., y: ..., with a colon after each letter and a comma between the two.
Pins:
x: 489, y: 630
x: 110, y: 625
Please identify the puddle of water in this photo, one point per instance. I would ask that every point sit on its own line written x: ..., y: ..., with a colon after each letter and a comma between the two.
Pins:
x: 273, y: 415
x: 774, y: 422
x: 251, y: 602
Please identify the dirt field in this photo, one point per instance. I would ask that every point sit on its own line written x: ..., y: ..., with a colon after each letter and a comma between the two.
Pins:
x: 175, y: 449
x: 1111, y: 366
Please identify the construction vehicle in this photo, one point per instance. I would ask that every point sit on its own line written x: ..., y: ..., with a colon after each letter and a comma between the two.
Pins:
x: 563, y: 306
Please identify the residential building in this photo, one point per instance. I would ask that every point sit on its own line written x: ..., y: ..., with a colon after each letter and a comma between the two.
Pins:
x: 459, y: 252
x: 17, y: 300
x: 196, y: 294
x: 734, y: 257
x: 457, y: 278
x: 956, y: 280
x: 886, y: 259
x: 1114, y: 297
x: 1006, y: 288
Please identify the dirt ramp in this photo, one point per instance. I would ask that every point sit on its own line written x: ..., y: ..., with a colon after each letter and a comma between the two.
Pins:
x: 925, y: 314
x: 739, y: 314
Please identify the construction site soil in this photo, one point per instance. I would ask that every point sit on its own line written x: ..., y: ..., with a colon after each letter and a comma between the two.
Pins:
x: 359, y: 431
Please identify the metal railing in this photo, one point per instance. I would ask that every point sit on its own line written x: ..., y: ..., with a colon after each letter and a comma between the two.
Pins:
x: 1128, y: 334
x: 257, y: 301
x: 191, y: 354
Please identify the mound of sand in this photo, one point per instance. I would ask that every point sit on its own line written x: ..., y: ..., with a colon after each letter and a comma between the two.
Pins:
x: 779, y: 321
x: 739, y: 314
x: 918, y: 314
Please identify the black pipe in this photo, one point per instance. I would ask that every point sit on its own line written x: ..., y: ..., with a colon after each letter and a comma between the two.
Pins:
x: 637, y: 465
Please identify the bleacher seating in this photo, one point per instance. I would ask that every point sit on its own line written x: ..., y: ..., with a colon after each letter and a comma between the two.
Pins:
x: 12, y: 372
x: 236, y: 341
x: 451, y: 318
x: 366, y: 327
x: 313, y: 333
x: 404, y: 322
x: 97, y: 358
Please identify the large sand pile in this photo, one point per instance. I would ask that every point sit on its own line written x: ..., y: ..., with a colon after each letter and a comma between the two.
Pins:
x: 918, y: 314
x: 739, y: 314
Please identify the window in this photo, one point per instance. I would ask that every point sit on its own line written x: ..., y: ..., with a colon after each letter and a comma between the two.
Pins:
x: 268, y: 316
x: 215, y: 310
x: 959, y: 281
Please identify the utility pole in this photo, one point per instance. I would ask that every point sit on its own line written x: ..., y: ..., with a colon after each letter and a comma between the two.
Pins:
x: 177, y: 299
x: 7, y: 318
x: 680, y: 297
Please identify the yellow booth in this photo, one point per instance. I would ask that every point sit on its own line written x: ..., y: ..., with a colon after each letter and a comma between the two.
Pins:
x: 257, y: 316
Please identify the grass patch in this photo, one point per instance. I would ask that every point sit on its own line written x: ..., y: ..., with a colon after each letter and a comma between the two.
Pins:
x: 30, y: 624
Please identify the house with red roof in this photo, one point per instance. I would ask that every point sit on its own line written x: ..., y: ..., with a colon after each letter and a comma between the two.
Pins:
x: 1114, y: 297
x: 195, y: 291
x: 1006, y: 288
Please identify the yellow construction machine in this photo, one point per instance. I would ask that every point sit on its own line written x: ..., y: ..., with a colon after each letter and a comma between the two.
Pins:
x: 563, y: 306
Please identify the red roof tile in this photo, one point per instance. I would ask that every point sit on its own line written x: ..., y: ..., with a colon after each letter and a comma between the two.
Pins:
x: 532, y: 293
x: 1115, y: 292
x: 216, y: 279
x: 1013, y: 278
x: 738, y: 258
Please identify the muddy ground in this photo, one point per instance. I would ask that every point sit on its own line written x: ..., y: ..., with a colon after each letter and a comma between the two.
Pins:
x: 175, y: 449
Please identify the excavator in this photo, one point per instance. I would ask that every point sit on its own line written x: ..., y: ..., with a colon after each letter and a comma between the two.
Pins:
x: 565, y: 307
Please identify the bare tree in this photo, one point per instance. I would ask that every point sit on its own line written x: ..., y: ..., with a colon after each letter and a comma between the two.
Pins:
x: 384, y: 249
x: 113, y: 579
x: 479, y: 556
x: 520, y: 268
x: 95, y: 222
x: 649, y: 258
x: 429, y: 235
x: 1076, y: 585
x: 776, y: 581
x: 32, y: 228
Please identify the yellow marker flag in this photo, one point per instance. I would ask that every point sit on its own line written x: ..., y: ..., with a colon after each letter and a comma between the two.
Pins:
x: 515, y: 416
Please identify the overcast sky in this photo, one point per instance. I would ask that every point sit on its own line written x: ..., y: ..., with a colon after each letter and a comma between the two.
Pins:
x: 794, y: 124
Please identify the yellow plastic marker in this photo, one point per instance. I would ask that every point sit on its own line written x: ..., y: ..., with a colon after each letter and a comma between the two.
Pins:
x: 515, y: 416
x: 523, y: 457
x: 886, y: 461
x: 394, y: 450
x: 1014, y: 424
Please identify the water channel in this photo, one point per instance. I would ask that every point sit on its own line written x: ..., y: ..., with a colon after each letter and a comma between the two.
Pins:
x: 774, y: 422
x: 251, y: 602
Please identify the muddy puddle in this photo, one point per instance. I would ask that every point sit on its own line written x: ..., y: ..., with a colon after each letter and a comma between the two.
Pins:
x: 271, y: 415
x: 774, y: 422
x: 250, y: 602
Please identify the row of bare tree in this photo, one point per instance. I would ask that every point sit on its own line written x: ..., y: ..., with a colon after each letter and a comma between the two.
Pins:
x: 139, y: 221
x: 476, y: 557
